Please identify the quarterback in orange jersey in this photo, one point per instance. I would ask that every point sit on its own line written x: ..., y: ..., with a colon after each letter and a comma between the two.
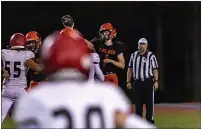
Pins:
x: 33, y: 40
x: 110, y: 52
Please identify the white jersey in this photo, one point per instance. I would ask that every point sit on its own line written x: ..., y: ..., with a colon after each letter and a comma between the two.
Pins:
x: 71, y: 105
x: 13, y: 62
x: 95, y: 69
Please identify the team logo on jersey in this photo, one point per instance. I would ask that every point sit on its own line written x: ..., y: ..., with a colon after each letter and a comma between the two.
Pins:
x: 107, y: 51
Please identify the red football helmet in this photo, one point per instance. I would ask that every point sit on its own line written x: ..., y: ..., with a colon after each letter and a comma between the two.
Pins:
x: 17, y: 40
x: 107, y: 27
x: 64, y: 52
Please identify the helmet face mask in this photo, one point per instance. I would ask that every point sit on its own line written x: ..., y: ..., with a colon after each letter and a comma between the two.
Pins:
x: 105, y: 35
x: 32, y: 46
x: 67, y: 21
x: 33, y: 41
x: 107, y: 32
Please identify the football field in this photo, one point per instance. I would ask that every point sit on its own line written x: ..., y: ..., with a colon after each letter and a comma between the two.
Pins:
x: 186, y: 115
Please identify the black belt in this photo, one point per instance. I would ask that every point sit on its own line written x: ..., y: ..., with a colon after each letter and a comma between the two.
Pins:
x: 142, y: 79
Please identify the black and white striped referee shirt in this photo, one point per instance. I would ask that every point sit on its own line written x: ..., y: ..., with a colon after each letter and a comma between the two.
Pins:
x: 143, y: 65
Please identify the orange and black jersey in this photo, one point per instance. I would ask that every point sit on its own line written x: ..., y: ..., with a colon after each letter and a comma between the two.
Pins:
x: 36, y: 76
x: 107, y: 52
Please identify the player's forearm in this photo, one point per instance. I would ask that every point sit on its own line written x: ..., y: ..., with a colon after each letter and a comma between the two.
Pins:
x: 33, y: 66
x: 5, y: 73
x: 118, y: 64
x: 36, y: 67
x: 90, y: 45
x: 129, y: 74
x: 101, y: 76
x: 99, y: 73
x: 155, y: 73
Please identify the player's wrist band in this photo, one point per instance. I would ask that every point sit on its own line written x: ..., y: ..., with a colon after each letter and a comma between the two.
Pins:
x: 155, y: 80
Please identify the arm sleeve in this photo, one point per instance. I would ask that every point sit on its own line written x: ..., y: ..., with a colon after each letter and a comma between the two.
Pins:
x: 29, y: 55
x: 95, y: 58
x: 30, y: 113
x: 130, y: 64
x: 93, y: 41
x: 95, y: 70
x: 154, y: 62
x: 98, y: 72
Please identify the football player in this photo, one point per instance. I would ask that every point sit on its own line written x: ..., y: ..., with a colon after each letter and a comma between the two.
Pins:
x: 68, y: 22
x: 33, y: 40
x: 16, y: 60
x: 95, y: 72
x: 110, y: 52
x: 68, y: 99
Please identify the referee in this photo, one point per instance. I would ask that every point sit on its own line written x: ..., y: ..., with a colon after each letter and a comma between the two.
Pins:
x: 143, y: 67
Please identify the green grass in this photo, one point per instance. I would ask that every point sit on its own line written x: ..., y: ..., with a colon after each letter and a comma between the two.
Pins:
x: 8, y: 123
x: 179, y: 120
x: 163, y: 120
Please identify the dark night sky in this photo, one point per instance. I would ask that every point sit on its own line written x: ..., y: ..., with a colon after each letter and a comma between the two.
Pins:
x: 132, y: 20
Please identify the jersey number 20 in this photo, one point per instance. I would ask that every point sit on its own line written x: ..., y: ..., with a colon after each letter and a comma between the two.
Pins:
x: 16, y: 68
x: 91, y: 110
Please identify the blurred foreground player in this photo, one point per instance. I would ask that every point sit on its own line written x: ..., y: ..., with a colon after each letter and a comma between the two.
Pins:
x: 68, y: 22
x: 16, y: 60
x: 33, y: 40
x: 69, y: 100
x: 95, y: 72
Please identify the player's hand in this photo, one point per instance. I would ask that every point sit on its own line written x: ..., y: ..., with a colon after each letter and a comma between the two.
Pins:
x: 6, y: 74
x: 107, y: 60
x: 129, y: 86
x: 155, y: 86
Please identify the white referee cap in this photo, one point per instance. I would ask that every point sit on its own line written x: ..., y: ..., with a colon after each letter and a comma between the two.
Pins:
x: 143, y: 40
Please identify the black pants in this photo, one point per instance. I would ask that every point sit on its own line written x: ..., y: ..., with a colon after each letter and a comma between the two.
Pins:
x: 144, y: 94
